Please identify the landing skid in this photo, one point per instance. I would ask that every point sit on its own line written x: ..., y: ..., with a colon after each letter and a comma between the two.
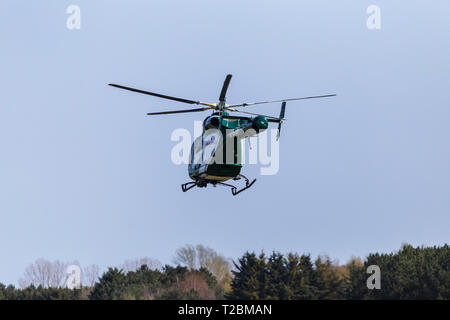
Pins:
x: 203, y: 183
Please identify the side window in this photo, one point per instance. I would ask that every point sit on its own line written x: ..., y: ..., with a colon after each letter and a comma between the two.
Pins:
x: 192, y: 153
x: 196, y: 153
x: 211, y: 140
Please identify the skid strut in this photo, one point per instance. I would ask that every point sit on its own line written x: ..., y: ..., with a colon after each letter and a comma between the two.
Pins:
x: 203, y: 183
x: 248, y: 184
x: 188, y: 186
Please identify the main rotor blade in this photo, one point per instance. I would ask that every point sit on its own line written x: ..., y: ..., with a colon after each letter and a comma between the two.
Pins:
x: 226, y: 83
x: 178, y: 111
x: 162, y: 95
x: 255, y: 114
x: 283, y: 100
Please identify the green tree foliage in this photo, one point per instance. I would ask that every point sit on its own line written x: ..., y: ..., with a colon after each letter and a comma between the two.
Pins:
x: 250, y: 278
x: 326, y: 280
x: 280, y: 277
x: 37, y: 293
x: 299, y: 277
x: 144, y: 283
x: 411, y: 273
x: 110, y: 286
x: 354, y: 280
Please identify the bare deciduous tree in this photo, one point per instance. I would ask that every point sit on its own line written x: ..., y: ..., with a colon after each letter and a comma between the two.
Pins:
x: 203, y: 257
x: 90, y: 275
x: 54, y: 274
x: 187, y: 256
x: 44, y: 273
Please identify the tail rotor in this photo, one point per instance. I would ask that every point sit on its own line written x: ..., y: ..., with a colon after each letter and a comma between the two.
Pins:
x: 281, y: 118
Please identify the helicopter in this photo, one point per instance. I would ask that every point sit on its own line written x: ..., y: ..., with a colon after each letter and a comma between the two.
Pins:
x: 215, y: 156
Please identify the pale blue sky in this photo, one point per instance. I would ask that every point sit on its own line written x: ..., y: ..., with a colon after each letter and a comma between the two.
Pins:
x: 86, y: 175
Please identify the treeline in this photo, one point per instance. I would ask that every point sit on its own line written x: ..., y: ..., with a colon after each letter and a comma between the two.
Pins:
x: 201, y: 273
x: 177, y: 283
x: 173, y: 283
x: 411, y: 273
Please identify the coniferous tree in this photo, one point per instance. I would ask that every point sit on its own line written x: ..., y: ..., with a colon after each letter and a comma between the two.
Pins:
x: 250, y: 279
x: 354, y: 285
x: 109, y: 286
x: 277, y: 278
x: 301, y: 275
x: 326, y: 279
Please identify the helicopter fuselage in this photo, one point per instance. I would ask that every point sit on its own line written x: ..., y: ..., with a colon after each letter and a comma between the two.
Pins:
x: 216, y: 154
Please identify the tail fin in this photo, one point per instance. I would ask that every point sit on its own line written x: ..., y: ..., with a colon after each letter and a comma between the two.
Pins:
x: 282, y: 111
